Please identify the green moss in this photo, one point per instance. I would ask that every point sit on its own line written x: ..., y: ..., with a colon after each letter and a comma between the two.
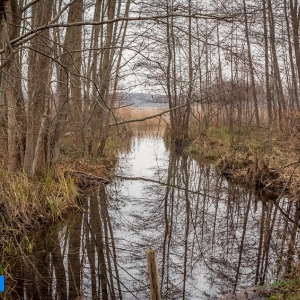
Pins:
x: 193, y: 148
x: 286, y: 289
x: 222, y: 133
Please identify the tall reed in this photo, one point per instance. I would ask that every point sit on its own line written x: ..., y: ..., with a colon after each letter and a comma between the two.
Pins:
x: 138, y: 113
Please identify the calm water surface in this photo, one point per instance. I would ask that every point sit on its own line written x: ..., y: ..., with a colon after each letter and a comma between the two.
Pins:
x: 211, y: 236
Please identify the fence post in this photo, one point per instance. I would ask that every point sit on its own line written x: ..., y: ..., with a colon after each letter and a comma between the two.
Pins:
x: 153, y: 274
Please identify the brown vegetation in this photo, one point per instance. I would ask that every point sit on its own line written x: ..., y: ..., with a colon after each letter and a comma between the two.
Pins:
x: 31, y: 204
x: 140, y: 113
x: 253, y: 156
x: 86, y: 175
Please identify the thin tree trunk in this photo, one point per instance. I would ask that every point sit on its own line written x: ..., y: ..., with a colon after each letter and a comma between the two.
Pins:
x: 71, y: 66
x: 290, y: 51
x: 267, y: 76
x: 106, y: 127
x: 295, y: 17
x: 38, y: 87
x: 191, y: 82
x: 11, y: 92
x: 281, y: 100
x: 75, y: 47
x: 253, y: 87
x: 104, y: 80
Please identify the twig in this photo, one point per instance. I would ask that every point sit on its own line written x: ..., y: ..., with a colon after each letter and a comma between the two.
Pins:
x: 287, y: 165
x: 90, y: 176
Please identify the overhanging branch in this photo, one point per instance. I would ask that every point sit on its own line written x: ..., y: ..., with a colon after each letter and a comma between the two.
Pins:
x: 29, y: 35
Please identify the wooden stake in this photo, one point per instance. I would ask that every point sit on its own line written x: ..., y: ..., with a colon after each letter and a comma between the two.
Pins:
x: 153, y: 274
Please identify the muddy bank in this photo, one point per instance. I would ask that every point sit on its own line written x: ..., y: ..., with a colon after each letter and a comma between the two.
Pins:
x: 253, y: 158
x: 283, y: 180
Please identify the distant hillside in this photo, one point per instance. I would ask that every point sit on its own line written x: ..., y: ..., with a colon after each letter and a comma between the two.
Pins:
x: 145, y: 100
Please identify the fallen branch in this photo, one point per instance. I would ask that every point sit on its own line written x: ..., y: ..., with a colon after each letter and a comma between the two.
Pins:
x: 285, y: 166
x: 87, y: 179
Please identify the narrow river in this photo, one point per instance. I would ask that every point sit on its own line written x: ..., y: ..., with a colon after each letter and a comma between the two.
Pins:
x: 211, y: 236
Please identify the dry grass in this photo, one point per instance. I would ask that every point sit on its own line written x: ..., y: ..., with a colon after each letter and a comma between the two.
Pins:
x: 28, y: 204
x: 137, y: 113
x: 207, y: 115
x: 252, y: 155
x: 221, y: 115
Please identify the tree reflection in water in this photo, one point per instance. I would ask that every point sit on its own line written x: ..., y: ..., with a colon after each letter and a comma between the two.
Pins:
x: 212, y: 236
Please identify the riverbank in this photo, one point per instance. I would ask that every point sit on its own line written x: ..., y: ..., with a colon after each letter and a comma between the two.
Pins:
x: 30, y: 205
x: 287, y: 289
x: 253, y: 157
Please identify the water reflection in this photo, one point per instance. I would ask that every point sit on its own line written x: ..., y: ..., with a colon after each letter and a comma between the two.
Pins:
x: 78, y: 258
x: 212, y: 236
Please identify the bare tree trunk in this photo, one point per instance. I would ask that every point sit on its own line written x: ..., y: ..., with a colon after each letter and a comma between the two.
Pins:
x: 281, y: 99
x: 186, y: 122
x: 168, y: 71
x: 39, y: 73
x: 253, y: 88
x: 295, y: 17
x: 104, y: 77
x: 105, y: 128
x: 290, y: 51
x: 267, y: 76
x: 68, y: 73
x: 74, y: 48
x: 12, y: 91
x: 90, y: 82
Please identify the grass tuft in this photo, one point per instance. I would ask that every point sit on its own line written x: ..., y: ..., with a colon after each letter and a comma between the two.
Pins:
x: 30, y: 204
x: 286, y: 289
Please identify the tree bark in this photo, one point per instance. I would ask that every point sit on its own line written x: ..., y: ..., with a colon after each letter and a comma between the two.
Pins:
x: 12, y: 90
x: 281, y: 99
x: 253, y: 87
x: 267, y: 76
x: 101, y: 104
x: 39, y: 73
x: 69, y: 75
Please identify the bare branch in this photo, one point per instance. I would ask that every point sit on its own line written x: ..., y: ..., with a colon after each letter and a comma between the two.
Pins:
x: 28, y: 5
x: 60, y: 13
x: 28, y: 36
x: 6, y: 36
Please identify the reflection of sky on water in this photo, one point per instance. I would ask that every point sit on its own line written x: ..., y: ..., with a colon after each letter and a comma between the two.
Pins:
x: 148, y: 159
x: 146, y: 156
